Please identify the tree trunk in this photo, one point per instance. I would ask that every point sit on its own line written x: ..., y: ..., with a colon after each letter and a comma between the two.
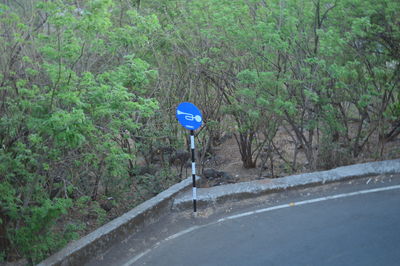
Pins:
x: 245, y: 141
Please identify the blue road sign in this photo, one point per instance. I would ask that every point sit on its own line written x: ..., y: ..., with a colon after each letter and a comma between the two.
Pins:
x: 189, y: 116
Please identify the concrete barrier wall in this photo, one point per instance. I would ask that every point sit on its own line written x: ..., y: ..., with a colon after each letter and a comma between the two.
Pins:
x: 220, y: 194
x: 82, y: 250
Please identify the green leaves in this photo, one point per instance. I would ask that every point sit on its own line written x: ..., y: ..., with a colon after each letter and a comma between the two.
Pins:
x: 34, y: 239
x: 73, y: 88
x: 247, y: 77
x: 68, y: 128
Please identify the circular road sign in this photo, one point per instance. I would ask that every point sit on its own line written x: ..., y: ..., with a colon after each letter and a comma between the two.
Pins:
x: 189, y: 116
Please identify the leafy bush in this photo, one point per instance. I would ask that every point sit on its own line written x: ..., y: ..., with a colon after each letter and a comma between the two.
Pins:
x: 34, y: 237
x: 72, y: 95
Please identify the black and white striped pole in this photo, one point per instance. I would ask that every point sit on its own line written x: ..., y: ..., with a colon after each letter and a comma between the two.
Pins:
x: 193, y: 171
x: 189, y: 116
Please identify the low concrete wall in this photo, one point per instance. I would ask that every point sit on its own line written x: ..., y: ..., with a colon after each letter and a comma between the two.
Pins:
x: 219, y: 194
x: 82, y: 250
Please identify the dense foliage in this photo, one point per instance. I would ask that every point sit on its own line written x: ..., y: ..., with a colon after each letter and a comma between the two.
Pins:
x: 88, y: 91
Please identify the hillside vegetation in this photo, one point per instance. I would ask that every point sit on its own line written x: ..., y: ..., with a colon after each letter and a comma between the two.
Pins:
x: 88, y: 91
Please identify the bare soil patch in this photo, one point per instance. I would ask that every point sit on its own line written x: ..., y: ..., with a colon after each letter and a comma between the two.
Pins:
x: 227, y: 159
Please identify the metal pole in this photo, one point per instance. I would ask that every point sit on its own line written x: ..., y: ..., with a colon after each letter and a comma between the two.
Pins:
x: 193, y: 170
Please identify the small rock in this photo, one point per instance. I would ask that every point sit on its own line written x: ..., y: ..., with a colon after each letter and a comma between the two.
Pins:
x: 217, y: 177
x: 210, y: 173
x: 106, y: 205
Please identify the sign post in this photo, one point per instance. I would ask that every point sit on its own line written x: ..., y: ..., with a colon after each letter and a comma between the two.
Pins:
x: 189, y: 116
x: 193, y: 170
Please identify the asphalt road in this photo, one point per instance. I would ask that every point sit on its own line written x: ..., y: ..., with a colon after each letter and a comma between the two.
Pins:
x: 335, y: 224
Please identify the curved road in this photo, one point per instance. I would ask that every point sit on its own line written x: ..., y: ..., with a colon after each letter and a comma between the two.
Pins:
x: 355, y: 222
x: 353, y: 229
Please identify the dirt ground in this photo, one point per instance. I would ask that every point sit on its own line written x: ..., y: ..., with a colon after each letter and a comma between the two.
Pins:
x: 227, y: 159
